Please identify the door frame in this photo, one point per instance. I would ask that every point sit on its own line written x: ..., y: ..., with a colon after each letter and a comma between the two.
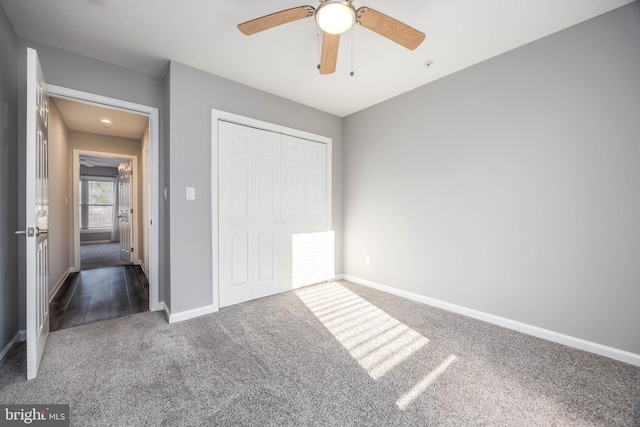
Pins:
x: 135, y: 194
x: 219, y: 115
x: 154, y: 172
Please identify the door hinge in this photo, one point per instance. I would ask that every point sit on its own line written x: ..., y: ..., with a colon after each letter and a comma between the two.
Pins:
x: 131, y: 210
x: 131, y: 249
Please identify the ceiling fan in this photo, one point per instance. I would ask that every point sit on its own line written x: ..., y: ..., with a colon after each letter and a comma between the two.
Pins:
x: 334, y: 17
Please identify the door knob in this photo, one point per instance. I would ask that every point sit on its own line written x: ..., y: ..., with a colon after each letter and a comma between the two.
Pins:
x: 40, y: 231
x: 29, y: 232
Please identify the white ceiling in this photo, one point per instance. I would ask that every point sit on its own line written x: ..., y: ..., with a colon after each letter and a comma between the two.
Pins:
x: 144, y: 34
x: 84, y: 117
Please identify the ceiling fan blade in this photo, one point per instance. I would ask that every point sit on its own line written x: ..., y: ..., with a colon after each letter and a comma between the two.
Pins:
x: 391, y: 28
x: 329, y: 56
x: 275, y: 19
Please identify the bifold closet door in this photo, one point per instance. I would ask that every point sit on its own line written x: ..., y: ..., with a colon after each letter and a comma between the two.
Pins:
x: 304, y: 211
x: 249, y: 200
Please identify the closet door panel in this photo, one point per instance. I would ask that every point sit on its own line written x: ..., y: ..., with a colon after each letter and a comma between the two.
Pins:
x: 272, y: 195
x: 239, y: 251
x: 304, y: 193
x: 316, y: 191
x: 265, y: 161
x: 234, y: 247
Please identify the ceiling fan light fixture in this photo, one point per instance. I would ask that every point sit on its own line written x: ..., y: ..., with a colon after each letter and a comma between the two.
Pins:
x: 335, y: 17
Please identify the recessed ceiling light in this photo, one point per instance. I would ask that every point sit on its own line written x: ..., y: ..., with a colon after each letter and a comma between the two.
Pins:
x: 106, y: 122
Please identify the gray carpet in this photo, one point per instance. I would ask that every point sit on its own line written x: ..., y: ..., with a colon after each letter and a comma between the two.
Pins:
x: 99, y: 255
x: 329, y: 355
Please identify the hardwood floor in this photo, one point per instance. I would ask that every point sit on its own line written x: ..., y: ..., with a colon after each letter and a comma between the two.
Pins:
x: 99, y: 294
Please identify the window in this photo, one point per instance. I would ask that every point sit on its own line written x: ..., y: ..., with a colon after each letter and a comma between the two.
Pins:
x: 96, y: 203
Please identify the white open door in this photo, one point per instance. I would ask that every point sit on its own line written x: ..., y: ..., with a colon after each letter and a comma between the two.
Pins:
x: 125, y: 211
x: 37, y: 211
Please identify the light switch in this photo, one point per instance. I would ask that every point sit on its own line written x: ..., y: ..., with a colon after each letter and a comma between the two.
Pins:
x: 191, y: 193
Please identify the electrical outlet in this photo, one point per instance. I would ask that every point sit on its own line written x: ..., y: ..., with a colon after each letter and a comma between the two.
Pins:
x: 367, y: 261
x: 191, y: 193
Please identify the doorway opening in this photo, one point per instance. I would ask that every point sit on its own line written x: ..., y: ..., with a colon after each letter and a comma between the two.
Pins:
x: 108, y: 205
x: 148, y: 171
x: 109, y: 227
x: 105, y: 212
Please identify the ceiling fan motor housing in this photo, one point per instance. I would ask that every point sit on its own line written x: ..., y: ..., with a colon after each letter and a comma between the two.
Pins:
x: 335, y: 16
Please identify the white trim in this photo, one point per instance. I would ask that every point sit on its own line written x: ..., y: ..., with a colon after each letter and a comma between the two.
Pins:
x: 218, y: 115
x: 154, y: 173
x: 190, y: 314
x: 58, y: 285
x: 7, y: 348
x: 259, y: 124
x: 23, y: 335
x: 163, y: 308
x: 603, y: 350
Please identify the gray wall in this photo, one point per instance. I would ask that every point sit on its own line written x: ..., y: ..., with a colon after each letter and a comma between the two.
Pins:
x: 60, y: 198
x: 511, y: 187
x: 67, y: 69
x: 193, y: 94
x: 8, y: 183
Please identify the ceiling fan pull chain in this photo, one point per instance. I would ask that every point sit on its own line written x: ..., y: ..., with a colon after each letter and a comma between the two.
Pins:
x: 352, y: 73
x: 319, y: 48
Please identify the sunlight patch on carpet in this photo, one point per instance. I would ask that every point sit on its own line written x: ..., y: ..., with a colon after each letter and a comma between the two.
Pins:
x: 377, y: 341
x: 423, y: 384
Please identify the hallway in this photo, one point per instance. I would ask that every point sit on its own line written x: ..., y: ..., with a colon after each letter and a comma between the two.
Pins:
x: 99, y: 255
x: 99, y: 294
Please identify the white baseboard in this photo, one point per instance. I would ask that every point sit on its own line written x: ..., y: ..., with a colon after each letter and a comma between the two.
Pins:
x: 157, y: 306
x: 190, y: 314
x: 163, y: 307
x: 7, y: 348
x: 603, y: 350
x: 58, y: 284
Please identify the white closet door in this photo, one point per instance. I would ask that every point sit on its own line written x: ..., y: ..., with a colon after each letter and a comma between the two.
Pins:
x: 266, y: 238
x: 272, y: 194
x: 234, y: 213
x: 248, y: 213
x: 304, y: 204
